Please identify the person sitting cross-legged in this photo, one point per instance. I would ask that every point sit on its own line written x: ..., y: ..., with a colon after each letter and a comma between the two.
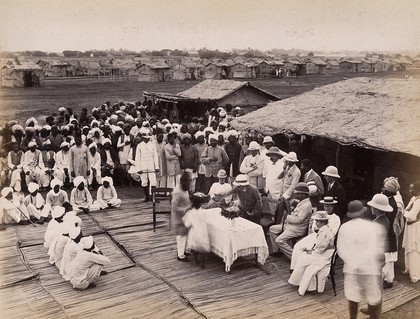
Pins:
x: 87, y: 265
x: 295, y: 224
x: 80, y: 197
x: 107, y: 195
x: 316, y: 258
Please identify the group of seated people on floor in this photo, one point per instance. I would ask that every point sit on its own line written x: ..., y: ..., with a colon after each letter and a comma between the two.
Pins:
x: 76, y: 256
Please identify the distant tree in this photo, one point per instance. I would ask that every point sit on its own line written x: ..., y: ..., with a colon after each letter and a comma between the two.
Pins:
x: 72, y: 54
x: 100, y: 53
x: 177, y: 52
x: 52, y: 54
x: 311, y: 54
x: 39, y: 53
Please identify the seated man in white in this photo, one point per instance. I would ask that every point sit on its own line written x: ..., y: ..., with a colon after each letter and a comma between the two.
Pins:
x: 295, y: 224
x: 314, y: 259
x: 54, y: 226
x: 70, y: 251
x: 9, y: 209
x: 219, y: 191
x: 308, y: 242
x: 88, y: 265
x: 80, y: 197
x: 107, y: 195
x: 35, y: 204
x: 95, y: 165
x: 56, y: 196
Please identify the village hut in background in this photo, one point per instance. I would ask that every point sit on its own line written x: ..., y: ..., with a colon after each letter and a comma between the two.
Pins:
x: 268, y: 68
x: 216, y: 70
x: 367, y: 127
x: 56, y: 68
x: 16, y: 74
x: 122, y: 67
x: 316, y: 66
x: 245, y: 70
x: 188, y: 70
x: 350, y: 65
x: 295, y: 65
x: 212, y: 94
x: 87, y: 68
x: 153, y: 72
x: 332, y: 66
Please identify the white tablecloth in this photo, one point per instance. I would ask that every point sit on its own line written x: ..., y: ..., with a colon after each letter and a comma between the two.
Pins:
x: 230, y: 242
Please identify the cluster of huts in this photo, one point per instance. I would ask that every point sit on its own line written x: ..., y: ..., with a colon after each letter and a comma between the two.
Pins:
x: 148, y: 69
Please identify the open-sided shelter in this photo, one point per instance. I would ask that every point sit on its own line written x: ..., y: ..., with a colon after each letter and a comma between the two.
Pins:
x: 21, y: 75
x: 367, y: 127
x: 212, y: 94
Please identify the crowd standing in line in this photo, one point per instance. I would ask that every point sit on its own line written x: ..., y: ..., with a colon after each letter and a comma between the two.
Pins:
x: 128, y: 143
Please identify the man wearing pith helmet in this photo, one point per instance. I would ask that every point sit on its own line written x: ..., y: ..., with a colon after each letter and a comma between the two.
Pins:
x: 335, y: 189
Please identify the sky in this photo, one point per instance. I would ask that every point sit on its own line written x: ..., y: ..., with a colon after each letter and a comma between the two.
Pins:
x: 328, y: 25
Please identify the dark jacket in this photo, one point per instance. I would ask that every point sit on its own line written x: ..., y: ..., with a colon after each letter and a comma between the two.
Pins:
x: 339, y: 194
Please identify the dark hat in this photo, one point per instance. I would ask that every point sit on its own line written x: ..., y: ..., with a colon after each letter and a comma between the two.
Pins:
x: 355, y: 209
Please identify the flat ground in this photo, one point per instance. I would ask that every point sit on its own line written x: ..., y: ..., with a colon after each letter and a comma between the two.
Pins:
x: 146, y: 281
x: 22, y: 103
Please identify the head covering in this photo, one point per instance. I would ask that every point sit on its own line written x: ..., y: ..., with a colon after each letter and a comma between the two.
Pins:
x: 93, y: 145
x: 208, y: 129
x: 31, y: 144
x: 57, y: 211
x: 301, y: 188
x: 108, y: 179
x: 253, y: 146
x: 212, y: 137
x: 64, y: 144
x: 312, y: 187
x: 16, y: 128
x: 116, y: 128
x: 381, y: 202
x: 232, y: 133
x: 328, y: 200
x: 221, y: 174
x: 78, y: 180
x: 222, y: 113
x: 56, y: 182
x: 144, y: 132
x: 321, y: 215
x: 32, y: 187
x: 223, y: 123
x: 74, y: 232
x: 185, y: 135
x: 47, y: 142
x: 61, y: 109
x: 31, y: 120
x: 47, y: 127
x: 331, y: 171
x: 355, y: 209
x: 6, y: 191
x: 241, y: 180
x: 274, y: 150
x: 86, y: 242
x: 199, y: 133
x: 268, y: 139
x: 391, y: 184
x: 164, y: 121
x: 291, y: 157
x: 106, y: 140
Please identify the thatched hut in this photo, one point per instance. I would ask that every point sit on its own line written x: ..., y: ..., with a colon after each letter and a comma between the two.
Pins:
x: 244, y: 70
x: 188, y: 70
x: 267, y: 68
x: 21, y: 75
x: 332, y: 66
x: 350, y: 65
x: 154, y: 71
x: 315, y: 66
x: 56, y: 68
x: 213, y: 93
x: 216, y: 70
x: 87, y: 68
x: 369, y: 128
x: 122, y: 67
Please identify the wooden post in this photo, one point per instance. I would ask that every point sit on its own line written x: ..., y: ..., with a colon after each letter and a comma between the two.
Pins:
x: 337, y: 156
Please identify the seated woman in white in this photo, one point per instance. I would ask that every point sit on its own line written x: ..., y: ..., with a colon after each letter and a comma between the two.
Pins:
x: 56, y: 196
x: 88, y: 264
x: 219, y: 190
x: 80, y: 197
x: 314, y: 259
x: 35, y: 204
x: 107, y: 195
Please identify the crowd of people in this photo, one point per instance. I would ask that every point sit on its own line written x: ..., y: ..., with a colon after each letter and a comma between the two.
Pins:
x: 305, y: 218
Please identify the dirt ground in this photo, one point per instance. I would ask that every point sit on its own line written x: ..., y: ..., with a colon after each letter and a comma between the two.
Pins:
x: 22, y: 103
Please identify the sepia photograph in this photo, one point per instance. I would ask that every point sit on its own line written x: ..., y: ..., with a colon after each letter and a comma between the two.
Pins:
x: 209, y: 159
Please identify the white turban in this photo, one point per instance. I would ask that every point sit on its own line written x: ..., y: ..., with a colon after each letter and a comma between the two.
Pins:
x: 86, y: 242
x: 78, y: 180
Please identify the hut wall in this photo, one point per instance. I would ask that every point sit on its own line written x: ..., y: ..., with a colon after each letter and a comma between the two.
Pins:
x: 146, y: 74
x: 332, y: 68
x: 346, y: 66
x: 241, y: 71
x: 179, y: 75
x: 265, y: 69
x: 212, y: 72
x: 312, y: 68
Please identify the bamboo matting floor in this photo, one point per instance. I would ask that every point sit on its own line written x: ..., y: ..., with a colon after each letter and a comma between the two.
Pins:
x: 146, y: 281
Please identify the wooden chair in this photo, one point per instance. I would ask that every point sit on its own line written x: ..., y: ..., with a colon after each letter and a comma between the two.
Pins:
x: 161, y: 199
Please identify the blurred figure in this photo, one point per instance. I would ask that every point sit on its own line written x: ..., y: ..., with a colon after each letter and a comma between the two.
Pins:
x: 335, y: 190
x: 360, y: 244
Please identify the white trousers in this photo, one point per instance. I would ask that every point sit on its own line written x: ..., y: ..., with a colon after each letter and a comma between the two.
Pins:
x: 181, y: 244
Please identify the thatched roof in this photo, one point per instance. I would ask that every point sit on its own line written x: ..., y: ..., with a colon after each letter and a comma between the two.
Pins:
x: 25, y: 66
x: 381, y: 114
